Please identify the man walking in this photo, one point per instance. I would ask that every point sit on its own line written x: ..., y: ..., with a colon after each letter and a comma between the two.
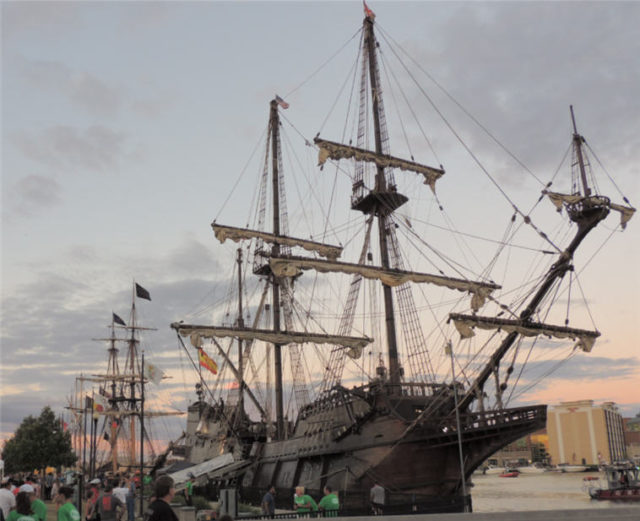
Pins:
x: 164, y: 489
x: 376, y: 495
x: 109, y: 506
x: 269, y: 502
x: 68, y: 511
x: 131, y: 498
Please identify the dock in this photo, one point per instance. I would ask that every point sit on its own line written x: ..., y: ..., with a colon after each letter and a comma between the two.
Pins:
x: 631, y: 513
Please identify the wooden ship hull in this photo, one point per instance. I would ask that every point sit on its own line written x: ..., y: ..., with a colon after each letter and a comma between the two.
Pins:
x: 356, y: 439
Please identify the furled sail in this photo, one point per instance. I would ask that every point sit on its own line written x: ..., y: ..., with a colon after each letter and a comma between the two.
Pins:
x: 330, y: 149
x: 197, y: 333
x: 236, y: 234
x: 626, y: 212
x: 292, y: 266
x: 465, y: 324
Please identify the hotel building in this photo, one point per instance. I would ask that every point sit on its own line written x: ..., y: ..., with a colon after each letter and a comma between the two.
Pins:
x: 581, y: 433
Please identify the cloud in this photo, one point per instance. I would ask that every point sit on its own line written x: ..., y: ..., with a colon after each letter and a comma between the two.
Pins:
x: 47, y: 18
x: 33, y: 192
x: 48, y: 324
x: 501, y: 71
x: 63, y: 148
x: 82, y: 88
x: 595, y: 367
x: 96, y: 96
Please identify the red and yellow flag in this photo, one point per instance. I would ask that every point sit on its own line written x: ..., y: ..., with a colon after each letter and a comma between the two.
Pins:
x: 368, y: 12
x: 207, y: 362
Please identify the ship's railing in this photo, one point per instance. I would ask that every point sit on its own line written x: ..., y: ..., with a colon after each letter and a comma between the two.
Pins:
x: 404, y: 504
x: 515, y: 416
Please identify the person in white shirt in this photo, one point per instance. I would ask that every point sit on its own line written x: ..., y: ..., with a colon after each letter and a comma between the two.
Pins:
x: 121, y: 492
x: 7, y: 499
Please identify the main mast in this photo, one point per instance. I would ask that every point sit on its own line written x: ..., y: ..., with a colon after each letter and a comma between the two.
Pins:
x: 386, y: 201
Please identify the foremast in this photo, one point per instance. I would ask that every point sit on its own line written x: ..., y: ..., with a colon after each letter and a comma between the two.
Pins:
x: 584, y: 209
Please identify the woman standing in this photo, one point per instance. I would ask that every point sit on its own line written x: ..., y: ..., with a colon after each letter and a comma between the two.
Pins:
x: 23, y: 510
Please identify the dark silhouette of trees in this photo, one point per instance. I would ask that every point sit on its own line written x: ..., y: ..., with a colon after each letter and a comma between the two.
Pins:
x: 38, y: 443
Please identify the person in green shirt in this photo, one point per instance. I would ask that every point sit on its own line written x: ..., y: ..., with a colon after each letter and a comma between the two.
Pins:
x: 38, y: 507
x: 303, y: 503
x: 329, y: 504
x: 188, y: 490
x: 68, y: 511
x: 23, y: 510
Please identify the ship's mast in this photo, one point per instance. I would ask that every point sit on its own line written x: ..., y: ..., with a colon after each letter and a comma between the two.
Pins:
x: 113, y: 370
x: 274, y: 125
x: 577, y: 143
x: 586, y: 214
x: 240, y: 407
x: 381, y: 208
x: 132, y: 371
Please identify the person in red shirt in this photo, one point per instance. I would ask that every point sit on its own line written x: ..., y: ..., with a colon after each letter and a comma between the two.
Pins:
x: 92, y: 503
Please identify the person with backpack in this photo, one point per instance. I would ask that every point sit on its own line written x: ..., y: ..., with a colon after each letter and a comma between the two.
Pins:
x: 109, y: 506
x: 92, y: 500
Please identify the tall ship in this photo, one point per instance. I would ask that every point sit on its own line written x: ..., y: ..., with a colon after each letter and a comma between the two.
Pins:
x: 113, y: 429
x: 363, y: 352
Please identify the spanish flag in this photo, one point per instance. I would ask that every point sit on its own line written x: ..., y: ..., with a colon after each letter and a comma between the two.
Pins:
x: 207, y: 362
x: 368, y: 12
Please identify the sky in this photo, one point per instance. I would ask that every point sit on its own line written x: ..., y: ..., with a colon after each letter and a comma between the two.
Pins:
x: 126, y: 125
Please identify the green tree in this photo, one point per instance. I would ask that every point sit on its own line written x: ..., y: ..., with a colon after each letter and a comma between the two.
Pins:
x: 38, y: 443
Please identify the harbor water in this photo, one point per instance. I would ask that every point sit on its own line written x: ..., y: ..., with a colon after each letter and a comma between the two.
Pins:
x: 546, y: 491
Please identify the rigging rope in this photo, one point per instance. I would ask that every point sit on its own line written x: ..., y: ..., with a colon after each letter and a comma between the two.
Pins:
x: 526, y: 217
x: 454, y: 100
x: 624, y: 198
x: 323, y: 65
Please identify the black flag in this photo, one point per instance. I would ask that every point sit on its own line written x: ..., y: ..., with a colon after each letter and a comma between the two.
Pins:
x: 142, y: 293
x: 118, y: 320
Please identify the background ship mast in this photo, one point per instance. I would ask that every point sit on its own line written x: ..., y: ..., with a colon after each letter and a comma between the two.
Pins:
x: 274, y: 125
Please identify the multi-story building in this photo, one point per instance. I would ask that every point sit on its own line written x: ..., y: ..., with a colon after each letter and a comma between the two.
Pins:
x: 532, y: 448
x: 587, y: 434
x: 632, y: 438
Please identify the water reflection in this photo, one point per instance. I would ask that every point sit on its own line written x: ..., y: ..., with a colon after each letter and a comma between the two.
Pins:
x: 548, y: 491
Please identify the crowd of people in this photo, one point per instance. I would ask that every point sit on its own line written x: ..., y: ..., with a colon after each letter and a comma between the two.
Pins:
x: 22, y: 499
x: 114, y: 500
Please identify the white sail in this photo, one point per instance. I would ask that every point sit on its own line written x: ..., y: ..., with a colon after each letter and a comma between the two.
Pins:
x: 237, y: 234
x: 292, y: 266
x: 626, y: 212
x: 465, y: 324
x: 197, y: 333
x: 330, y: 149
